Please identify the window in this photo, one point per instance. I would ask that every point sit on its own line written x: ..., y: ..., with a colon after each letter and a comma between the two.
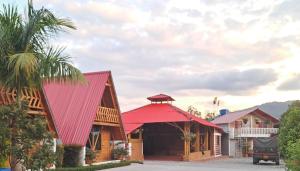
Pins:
x: 218, y: 140
x: 94, y: 142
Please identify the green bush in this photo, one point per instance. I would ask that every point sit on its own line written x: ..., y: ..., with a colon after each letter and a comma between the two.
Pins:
x: 289, y: 137
x: 289, y: 130
x: 293, y: 162
x: 71, y: 156
x: 96, y: 167
x: 59, y: 156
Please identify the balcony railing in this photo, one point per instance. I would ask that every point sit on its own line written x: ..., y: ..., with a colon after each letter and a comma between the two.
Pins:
x: 32, y: 96
x: 107, y: 115
x: 254, y: 132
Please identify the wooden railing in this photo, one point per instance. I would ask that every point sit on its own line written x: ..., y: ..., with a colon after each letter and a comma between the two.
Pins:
x: 107, y: 115
x: 33, y: 97
x: 254, y: 132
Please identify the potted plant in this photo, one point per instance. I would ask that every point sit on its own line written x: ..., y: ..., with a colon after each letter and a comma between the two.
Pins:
x: 3, y: 165
x: 120, y: 153
x: 90, y: 155
x: 245, y: 121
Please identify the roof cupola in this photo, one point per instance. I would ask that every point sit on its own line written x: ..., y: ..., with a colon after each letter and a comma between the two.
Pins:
x: 160, y: 98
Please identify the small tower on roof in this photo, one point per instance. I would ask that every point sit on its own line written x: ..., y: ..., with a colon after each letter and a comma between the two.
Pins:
x: 161, y: 98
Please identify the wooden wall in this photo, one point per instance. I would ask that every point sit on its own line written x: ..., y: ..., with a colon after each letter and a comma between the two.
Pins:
x: 136, y: 150
x: 106, y: 149
x: 199, y: 155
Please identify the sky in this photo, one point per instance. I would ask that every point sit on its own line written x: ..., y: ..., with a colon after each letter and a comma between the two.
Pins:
x: 245, y: 52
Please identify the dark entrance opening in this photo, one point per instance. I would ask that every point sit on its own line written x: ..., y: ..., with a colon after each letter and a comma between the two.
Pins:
x: 162, y: 142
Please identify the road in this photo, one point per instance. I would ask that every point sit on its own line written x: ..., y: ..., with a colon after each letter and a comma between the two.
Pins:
x: 224, y: 164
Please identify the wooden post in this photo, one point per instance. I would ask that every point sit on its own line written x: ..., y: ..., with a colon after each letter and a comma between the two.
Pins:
x: 206, y: 139
x: 187, y: 141
x: 212, y: 141
x: 197, y: 143
x: 140, y: 133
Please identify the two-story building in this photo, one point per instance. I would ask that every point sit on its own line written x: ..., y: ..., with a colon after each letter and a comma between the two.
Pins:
x: 240, y: 127
x: 87, y: 115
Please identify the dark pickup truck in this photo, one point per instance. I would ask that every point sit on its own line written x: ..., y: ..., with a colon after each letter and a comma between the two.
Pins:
x: 265, y: 149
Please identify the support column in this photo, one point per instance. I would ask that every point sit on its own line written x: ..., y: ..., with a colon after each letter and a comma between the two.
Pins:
x: 187, y: 142
x: 206, y: 138
x: 82, y: 156
x: 197, y: 143
x: 212, y: 141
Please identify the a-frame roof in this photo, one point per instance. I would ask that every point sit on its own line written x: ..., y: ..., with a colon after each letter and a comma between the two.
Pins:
x: 159, y: 113
x: 74, y: 106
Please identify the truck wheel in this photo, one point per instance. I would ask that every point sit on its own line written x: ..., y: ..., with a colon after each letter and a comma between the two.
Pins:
x: 277, y: 162
x: 255, y: 161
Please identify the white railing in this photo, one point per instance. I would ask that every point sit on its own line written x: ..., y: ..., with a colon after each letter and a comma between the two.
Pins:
x: 254, y: 132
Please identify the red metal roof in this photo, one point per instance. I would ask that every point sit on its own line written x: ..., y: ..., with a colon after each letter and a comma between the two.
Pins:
x: 74, y: 106
x: 158, y: 113
x: 160, y: 98
x: 232, y: 116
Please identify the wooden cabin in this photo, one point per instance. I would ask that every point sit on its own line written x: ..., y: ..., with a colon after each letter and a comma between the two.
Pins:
x: 161, y: 131
x: 36, y: 103
x: 87, y: 115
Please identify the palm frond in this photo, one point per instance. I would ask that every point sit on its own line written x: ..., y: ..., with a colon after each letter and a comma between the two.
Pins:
x: 23, y: 68
x: 56, y: 66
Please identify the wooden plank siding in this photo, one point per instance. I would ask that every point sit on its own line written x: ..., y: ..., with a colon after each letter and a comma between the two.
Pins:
x: 106, y: 149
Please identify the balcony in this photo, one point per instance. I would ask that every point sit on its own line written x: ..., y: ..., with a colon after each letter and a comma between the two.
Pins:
x: 107, y: 116
x: 253, y: 132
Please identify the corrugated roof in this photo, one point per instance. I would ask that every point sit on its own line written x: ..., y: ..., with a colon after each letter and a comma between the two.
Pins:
x: 74, y: 106
x: 158, y: 113
x: 232, y: 116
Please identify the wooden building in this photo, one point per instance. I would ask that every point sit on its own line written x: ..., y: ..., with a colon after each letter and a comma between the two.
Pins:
x: 36, y: 103
x: 87, y: 115
x: 161, y: 131
x: 37, y: 106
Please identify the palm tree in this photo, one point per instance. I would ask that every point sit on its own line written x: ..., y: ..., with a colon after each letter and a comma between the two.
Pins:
x: 26, y: 57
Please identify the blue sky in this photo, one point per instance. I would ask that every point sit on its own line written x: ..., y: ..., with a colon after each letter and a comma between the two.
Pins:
x: 245, y: 52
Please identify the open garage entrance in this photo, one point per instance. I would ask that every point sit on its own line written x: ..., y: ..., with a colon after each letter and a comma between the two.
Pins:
x: 162, y: 131
x: 162, y: 142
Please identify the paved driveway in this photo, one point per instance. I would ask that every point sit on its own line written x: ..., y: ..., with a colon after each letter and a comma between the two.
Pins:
x: 225, y: 164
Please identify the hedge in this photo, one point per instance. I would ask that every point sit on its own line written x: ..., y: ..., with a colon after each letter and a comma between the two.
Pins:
x: 71, y: 156
x: 95, y: 167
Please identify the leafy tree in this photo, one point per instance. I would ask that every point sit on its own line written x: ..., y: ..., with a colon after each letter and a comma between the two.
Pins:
x: 192, y: 110
x: 32, y: 144
x: 26, y: 60
x: 289, y: 132
x: 26, y: 57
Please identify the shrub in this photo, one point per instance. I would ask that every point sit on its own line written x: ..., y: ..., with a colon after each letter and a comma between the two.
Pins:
x: 96, y: 167
x: 59, y: 156
x: 90, y: 155
x: 293, y: 161
x: 71, y: 156
x: 120, y: 153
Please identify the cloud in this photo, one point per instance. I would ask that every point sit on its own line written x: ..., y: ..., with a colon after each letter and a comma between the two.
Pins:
x: 292, y: 83
x: 176, y: 46
x: 230, y: 81
x: 289, y: 8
